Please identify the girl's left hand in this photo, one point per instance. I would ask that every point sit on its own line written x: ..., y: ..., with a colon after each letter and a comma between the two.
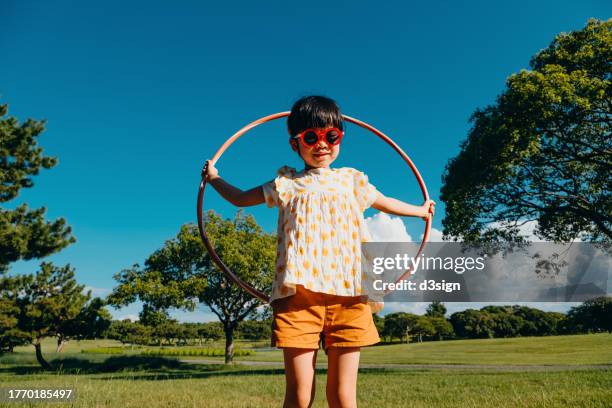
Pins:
x: 429, y: 209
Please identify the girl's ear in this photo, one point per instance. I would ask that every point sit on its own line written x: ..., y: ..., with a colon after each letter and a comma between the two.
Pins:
x: 294, y: 145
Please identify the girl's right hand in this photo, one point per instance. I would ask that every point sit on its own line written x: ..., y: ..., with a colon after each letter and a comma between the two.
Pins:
x: 211, y: 171
x: 429, y: 208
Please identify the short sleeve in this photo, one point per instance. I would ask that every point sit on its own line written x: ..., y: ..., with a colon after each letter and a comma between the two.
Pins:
x: 365, y: 193
x: 277, y: 192
x: 270, y: 193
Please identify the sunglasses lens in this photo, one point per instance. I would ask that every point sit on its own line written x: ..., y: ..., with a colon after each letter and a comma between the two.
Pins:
x: 310, y: 138
x: 333, y: 136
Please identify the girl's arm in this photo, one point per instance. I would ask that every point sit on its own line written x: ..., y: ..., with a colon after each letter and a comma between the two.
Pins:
x: 397, y: 207
x: 233, y: 194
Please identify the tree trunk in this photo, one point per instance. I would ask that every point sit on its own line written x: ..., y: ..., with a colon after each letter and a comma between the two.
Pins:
x: 61, y: 342
x: 39, y: 357
x: 229, y: 345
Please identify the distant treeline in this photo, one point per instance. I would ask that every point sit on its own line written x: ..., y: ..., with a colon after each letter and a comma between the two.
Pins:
x: 171, y: 332
x: 593, y: 316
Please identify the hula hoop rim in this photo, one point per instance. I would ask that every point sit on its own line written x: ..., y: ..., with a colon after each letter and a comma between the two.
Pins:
x: 215, y: 257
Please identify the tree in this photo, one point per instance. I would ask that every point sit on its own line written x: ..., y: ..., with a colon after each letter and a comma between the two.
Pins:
x: 10, y: 333
x: 31, y: 306
x: 150, y: 316
x: 49, y: 302
x: 210, y: 331
x: 91, y: 322
x: 181, y: 274
x: 255, y: 329
x: 24, y: 233
x: 395, y: 325
x: 128, y: 332
x: 190, y: 332
x: 472, y: 323
x: 379, y: 322
x: 537, y: 322
x: 169, y: 330
x: 594, y: 315
x: 436, y: 309
x: 542, y: 152
x: 403, y: 324
x: 421, y: 326
x: 442, y: 327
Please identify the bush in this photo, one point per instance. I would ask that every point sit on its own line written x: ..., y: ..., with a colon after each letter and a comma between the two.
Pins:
x: 104, y: 350
x: 196, y: 352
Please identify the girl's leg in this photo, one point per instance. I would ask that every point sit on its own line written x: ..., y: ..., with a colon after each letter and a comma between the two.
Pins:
x: 342, y: 366
x: 300, y: 377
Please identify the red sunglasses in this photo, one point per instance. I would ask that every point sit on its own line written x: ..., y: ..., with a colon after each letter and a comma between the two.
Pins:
x: 310, y: 137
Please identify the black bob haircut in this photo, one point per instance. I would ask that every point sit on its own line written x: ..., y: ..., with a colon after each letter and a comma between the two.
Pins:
x: 314, y: 112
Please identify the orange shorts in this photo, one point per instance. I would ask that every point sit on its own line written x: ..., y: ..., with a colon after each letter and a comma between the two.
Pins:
x: 304, y: 319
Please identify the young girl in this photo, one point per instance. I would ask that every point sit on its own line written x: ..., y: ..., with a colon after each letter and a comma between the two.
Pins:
x: 317, y: 294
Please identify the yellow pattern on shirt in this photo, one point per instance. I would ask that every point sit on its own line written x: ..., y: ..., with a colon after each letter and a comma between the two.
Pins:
x: 320, y: 230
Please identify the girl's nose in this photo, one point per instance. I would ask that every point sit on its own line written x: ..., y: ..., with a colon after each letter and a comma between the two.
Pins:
x: 321, y: 144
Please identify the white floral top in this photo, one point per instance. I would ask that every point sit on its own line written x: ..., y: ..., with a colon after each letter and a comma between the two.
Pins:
x: 320, y: 230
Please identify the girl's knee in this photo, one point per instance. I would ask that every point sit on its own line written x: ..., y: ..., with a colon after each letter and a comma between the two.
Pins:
x: 299, y: 399
x: 341, y: 395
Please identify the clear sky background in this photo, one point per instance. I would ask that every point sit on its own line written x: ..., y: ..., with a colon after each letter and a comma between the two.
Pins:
x: 138, y: 95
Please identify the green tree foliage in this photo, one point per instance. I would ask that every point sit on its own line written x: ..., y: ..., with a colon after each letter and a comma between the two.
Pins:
x: 24, y: 233
x: 49, y: 303
x: 379, y: 322
x: 442, y: 327
x: 592, y: 316
x: 255, y: 329
x: 182, y: 274
x: 542, y: 152
x: 149, y: 316
x: 471, y: 323
x: 170, y: 331
x: 210, y: 331
x: 505, y: 321
x: 406, y: 325
x: 421, y: 326
x: 435, y: 309
x: 91, y: 322
x: 10, y: 333
x: 128, y: 332
x: 395, y: 326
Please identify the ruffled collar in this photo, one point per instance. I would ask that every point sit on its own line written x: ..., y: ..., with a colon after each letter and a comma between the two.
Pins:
x: 319, y: 170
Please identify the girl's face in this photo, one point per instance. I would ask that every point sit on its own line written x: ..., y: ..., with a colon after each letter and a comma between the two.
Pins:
x: 321, y: 154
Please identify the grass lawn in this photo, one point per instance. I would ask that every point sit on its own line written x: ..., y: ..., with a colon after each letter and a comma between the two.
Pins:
x: 134, y: 381
x: 217, y: 386
x: 552, y: 350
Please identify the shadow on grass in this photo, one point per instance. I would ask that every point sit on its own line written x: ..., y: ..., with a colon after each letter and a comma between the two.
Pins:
x: 137, y: 368
x: 150, y: 368
x: 75, y: 365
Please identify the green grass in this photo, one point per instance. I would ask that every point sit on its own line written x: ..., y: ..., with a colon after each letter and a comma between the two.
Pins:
x: 564, y: 350
x: 131, y: 380
x: 218, y: 386
x: 552, y: 350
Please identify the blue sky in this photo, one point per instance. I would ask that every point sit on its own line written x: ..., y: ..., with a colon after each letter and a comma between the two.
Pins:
x: 138, y: 95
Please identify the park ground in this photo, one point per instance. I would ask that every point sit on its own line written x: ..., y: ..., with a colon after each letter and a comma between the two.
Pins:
x: 559, y: 371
